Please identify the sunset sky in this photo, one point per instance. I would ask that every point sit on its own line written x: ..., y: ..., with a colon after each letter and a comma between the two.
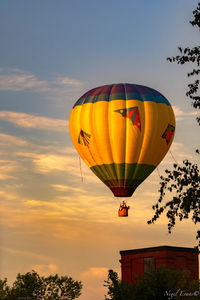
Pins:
x: 51, y: 53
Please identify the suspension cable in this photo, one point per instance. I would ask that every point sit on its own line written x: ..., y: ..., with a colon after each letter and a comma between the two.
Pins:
x: 80, y: 169
x: 173, y: 157
x: 158, y: 171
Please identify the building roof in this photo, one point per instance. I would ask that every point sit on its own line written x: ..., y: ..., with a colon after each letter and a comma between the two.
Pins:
x: 158, y: 248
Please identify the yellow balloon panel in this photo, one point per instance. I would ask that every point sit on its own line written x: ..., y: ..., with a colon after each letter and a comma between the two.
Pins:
x: 157, y: 118
x: 75, y: 131
x: 109, y: 136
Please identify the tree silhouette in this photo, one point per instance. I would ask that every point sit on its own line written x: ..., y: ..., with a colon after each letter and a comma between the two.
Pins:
x: 162, y: 283
x: 183, y: 182
x: 32, y: 286
x: 191, y: 55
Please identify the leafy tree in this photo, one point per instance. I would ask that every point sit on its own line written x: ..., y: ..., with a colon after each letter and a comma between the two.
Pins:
x: 62, y: 288
x: 163, y: 283
x: 4, y: 289
x: 191, y: 55
x: 28, y: 286
x: 31, y: 286
x: 183, y: 182
x: 117, y: 289
x: 166, y: 283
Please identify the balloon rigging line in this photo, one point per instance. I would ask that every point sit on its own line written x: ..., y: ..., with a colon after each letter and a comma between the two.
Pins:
x: 173, y: 157
x: 158, y: 171
x: 80, y: 169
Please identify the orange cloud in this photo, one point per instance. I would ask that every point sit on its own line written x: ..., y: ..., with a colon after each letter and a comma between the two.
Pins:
x: 6, y: 140
x: 93, y: 283
x: 180, y: 114
x: 32, y: 121
x: 45, y: 270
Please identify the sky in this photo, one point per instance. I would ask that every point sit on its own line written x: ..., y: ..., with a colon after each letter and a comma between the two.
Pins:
x: 51, y: 53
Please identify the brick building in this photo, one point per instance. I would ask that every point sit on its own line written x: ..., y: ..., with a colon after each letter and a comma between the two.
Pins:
x: 139, y: 261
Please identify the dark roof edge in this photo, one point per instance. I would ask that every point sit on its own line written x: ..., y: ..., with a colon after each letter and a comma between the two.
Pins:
x: 158, y: 248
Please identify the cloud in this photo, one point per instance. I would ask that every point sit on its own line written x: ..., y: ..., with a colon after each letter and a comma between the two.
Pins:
x: 180, y: 114
x: 49, y: 163
x: 59, y: 207
x: 32, y: 121
x: 93, y: 281
x: 68, y: 81
x: 10, y: 167
x: 177, y: 153
x: 45, y: 270
x: 18, y: 80
x: 94, y: 273
x: 65, y: 188
x: 7, y: 169
x: 6, y: 139
x: 6, y: 195
x: 22, y: 253
x: 46, y: 163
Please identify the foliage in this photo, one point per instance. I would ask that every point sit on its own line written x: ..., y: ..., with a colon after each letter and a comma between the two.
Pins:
x: 62, y: 287
x: 185, y: 182
x: 33, y: 287
x: 191, y: 55
x: 184, y: 179
x: 29, y: 285
x: 155, y: 285
x: 4, y: 289
x: 160, y: 283
x: 117, y: 289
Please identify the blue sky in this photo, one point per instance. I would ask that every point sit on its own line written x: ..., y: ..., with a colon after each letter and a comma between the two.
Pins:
x: 51, y: 53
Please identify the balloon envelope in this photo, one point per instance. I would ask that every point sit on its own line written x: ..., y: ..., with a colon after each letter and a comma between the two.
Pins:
x: 122, y: 132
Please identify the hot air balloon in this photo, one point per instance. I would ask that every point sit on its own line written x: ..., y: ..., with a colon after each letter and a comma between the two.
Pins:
x: 122, y: 132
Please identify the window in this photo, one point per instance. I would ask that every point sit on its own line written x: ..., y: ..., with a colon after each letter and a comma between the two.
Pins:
x: 149, y: 264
